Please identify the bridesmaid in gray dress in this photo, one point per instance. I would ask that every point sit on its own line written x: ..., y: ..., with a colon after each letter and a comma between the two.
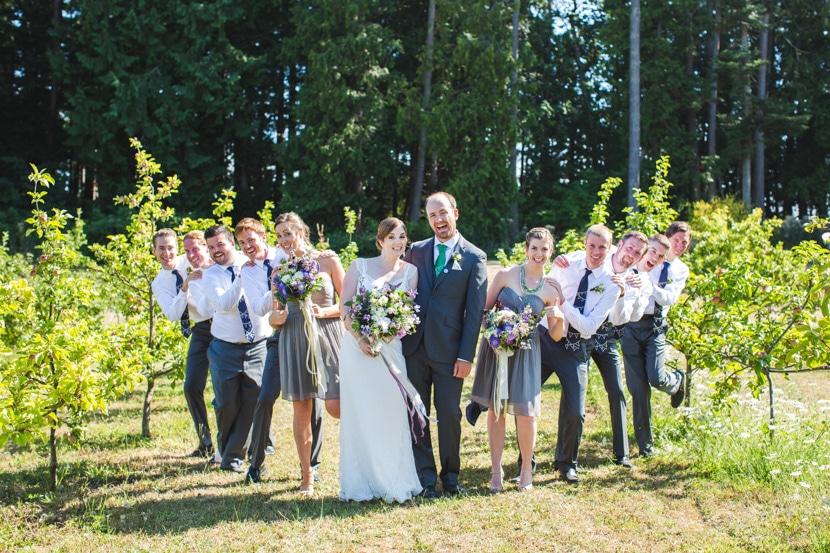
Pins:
x: 517, y: 287
x: 298, y: 385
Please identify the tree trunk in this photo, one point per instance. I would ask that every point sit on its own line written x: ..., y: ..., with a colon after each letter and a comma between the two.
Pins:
x: 145, y: 411
x: 514, y: 122
x: 418, y: 185
x: 746, y: 164
x: 712, y: 108
x: 53, y: 459
x: 691, y: 127
x: 634, y: 103
x: 758, y: 176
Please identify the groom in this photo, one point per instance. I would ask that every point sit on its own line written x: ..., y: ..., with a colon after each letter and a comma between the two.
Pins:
x: 452, y: 285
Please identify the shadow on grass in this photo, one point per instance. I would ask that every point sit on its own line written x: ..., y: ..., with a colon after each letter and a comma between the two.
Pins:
x: 153, y: 499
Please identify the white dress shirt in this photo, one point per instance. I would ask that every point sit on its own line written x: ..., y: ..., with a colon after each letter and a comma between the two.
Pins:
x: 223, y: 294
x: 678, y: 273
x: 602, y: 294
x: 255, y: 282
x: 173, y: 302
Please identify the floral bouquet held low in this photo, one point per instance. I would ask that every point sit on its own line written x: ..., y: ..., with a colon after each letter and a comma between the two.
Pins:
x: 380, y: 315
x: 293, y: 281
x: 506, y: 331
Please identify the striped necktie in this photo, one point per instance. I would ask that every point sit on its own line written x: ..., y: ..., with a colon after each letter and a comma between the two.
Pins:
x: 185, y: 318
x: 659, y: 318
x: 247, y: 325
x: 572, y: 339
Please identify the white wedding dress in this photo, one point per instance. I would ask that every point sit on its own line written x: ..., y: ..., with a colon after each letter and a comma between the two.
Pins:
x: 376, y: 457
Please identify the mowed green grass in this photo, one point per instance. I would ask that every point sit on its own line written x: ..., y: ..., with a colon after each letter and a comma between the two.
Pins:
x: 718, y: 483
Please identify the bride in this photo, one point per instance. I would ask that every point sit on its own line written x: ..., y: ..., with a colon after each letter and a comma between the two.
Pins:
x: 375, y: 438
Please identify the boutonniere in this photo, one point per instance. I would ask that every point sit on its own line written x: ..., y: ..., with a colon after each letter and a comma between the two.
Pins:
x: 669, y: 281
x: 599, y: 288
x: 457, y: 257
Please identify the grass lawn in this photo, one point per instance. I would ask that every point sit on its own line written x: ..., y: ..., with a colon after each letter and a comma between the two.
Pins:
x: 717, y: 484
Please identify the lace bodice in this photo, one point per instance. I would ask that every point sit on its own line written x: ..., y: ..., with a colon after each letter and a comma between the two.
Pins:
x: 367, y: 282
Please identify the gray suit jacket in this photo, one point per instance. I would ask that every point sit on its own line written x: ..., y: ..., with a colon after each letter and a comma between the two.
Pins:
x: 451, y: 303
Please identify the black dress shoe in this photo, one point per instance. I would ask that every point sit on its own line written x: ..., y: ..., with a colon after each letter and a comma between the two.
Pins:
x: 254, y: 476
x: 203, y: 452
x: 570, y: 476
x: 455, y: 491
x: 472, y: 412
x: 646, y: 453
x: 429, y: 492
x: 623, y: 461
x: 680, y: 394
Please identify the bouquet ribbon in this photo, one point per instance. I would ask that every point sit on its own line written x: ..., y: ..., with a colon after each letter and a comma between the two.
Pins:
x: 412, y: 399
x: 314, y: 358
x: 500, y: 384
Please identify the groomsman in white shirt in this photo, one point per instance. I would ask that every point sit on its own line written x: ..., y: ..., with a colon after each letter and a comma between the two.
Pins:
x: 644, y: 341
x: 237, y: 352
x: 602, y: 347
x: 177, y: 293
x: 589, y: 295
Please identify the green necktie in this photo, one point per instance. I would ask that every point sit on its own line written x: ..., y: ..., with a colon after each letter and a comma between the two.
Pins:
x: 442, y: 259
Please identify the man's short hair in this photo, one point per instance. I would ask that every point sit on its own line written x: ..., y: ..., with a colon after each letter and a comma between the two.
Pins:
x: 249, y: 223
x: 661, y: 239
x: 219, y: 230
x: 602, y: 231
x: 636, y: 235
x: 163, y: 232
x: 678, y: 226
x: 449, y: 197
x: 196, y: 235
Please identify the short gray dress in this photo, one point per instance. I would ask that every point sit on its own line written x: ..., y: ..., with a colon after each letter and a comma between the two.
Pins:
x: 294, y: 348
x: 524, y: 367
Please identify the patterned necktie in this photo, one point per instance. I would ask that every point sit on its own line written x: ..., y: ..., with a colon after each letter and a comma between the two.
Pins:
x: 185, y: 318
x: 268, y: 270
x: 243, y: 308
x: 659, y: 319
x: 572, y: 339
x: 442, y: 259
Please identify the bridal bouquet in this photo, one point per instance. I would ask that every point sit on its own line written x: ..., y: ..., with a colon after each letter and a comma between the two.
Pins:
x: 296, y: 279
x: 505, y: 331
x: 383, y: 313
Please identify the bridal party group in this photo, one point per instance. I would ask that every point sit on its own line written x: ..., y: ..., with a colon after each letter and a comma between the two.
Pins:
x: 386, y: 346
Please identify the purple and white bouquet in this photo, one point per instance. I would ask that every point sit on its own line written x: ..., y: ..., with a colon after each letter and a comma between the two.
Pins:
x: 383, y: 313
x: 296, y: 279
x: 506, y: 330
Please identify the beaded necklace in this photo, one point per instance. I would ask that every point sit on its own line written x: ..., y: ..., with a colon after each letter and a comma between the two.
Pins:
x: 525, y: 289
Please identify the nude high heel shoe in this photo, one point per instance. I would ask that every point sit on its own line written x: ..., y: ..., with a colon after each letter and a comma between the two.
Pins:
x: 525, y: 481
x: 496, y: 481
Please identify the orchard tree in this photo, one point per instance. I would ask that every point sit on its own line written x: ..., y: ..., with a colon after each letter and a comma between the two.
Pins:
x: 54, y: 368
x: 752, y: 308
x: 142, y: 338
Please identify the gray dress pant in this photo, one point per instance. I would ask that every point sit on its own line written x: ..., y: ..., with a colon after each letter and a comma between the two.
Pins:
x: 236, y: 373
x: 644, y: 351
x: 429, y: 377
x: 268, y: 395
x: 610, y: 368
x: 572, y: 369
x: 195, y: 379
